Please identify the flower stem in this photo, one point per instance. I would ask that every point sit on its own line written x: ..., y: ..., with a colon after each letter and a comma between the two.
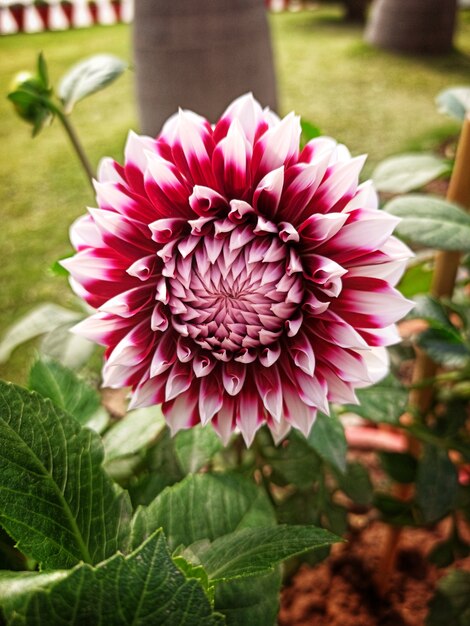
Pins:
x: 420, y: 399
x: 77, y: 146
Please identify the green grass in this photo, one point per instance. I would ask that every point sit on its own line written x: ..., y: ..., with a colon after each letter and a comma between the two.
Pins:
x: 373, y: 101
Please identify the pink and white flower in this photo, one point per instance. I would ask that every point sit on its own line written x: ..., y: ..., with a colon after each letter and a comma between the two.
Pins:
x: 237, y: 279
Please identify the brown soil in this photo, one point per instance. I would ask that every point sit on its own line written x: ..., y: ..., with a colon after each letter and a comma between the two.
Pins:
x: 341, y: 590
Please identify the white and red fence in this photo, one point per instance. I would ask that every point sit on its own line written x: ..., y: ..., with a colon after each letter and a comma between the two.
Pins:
x: 30, y: 16
x: 33, y: 17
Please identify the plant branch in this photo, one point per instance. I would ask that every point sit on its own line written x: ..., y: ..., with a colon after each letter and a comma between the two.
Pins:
x: 77, y: 146
x: 420, y: 399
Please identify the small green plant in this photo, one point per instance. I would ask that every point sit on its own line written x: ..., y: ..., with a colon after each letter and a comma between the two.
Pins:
x: 38, y: 104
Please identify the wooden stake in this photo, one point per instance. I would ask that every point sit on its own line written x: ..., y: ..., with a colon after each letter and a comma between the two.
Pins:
x: 445, y: 273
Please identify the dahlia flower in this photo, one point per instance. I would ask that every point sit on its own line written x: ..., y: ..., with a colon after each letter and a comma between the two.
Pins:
x: 238, y: 280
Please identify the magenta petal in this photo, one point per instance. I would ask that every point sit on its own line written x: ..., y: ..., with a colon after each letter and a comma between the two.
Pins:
x: 84, y: 233
x: 124, y: 235
x: 277, y: 147
x: 159, y: 319
x: 318, y: 228
x: 164, y: 355
x: 270, y: 355
x: 181, y: 412
x: 312, y: 390
x: 269, y: 387
x: 166, y: 189
x: 210, y: 398
x: 332, y: 328
x: 224, y: 421
x: 287, y: 232
x: 166, y: 229
x: 193, y: 149
x: 279, y: 430
x: 136, y: 159
x: 206, y: 201
x: 250, y: 417
x: 240, y: 211
x: 297, y: 412
x: 316, y: 148
x: 103, y: 328
x: 231, y: 161
x: 203, y: 365
x: 371, y: 302
x: 110, y: 172
x: 249, y: 114
x: 129, y: 303
x: 233, y: 377
x: 302, y: 353
x: 143, y: 268
x: 179, y: 380
x: 148, y: 393
x: 268, y: 192
x: 341, y: 183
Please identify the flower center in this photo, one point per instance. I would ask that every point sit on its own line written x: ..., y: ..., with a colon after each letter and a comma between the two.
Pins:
x: 233, y: 293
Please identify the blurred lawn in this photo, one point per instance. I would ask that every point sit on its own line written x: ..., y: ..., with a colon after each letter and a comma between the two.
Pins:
x: 371, y: 100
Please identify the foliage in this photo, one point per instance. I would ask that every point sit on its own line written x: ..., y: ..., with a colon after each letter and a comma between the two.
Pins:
x: 94, y: 552
x: 33, y: 96
x: 131, y: 526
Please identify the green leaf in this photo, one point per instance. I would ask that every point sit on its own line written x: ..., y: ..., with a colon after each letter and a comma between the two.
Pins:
x: 249, y: 601
x: 408, y: 172
x: 203, y: 506
x: 293, y: 462
x: 198, y: 572
x: 87, y: 77
x: 58, y: 269
x: 54, y: 381
x: 454, y: 102
x: 451, y: 604
x: 416, y: 280
x: 328, y: 440
x: 67, y: 348
x: 195, y: 447
x: 159, y: 469
x: 444, y: 346
x: 135, y: 431
x: 442, y: 554
x: 336, y: 517
x: 431, y: 310
x: 436, y: 484
x: 42, y: 70
x: 396, y: 512
x: 10, y: 557
x: 302, y: 507
x: 255, y: 551
x: 144, y: 588
x: 384, y: 402
x: 309, y: 131
x: 431, y: 222
x: 40, y: 320
x: 400, y: 467
x: 356, y: 484
x: 57, y: 502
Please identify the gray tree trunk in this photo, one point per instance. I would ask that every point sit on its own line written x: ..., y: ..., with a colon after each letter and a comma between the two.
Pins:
x: 356, y: 10
x: 413, y: 26
x: 200, y: 55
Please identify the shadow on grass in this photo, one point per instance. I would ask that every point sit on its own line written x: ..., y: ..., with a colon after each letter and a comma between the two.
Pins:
x: 320, y: 20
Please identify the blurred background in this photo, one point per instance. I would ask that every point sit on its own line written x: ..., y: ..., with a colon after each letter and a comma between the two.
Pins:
x: 335, y: 63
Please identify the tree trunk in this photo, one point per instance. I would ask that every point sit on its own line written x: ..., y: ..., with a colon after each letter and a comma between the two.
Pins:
x: 200, y: 55
x: 413, y: 26
x: 356, y: 10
